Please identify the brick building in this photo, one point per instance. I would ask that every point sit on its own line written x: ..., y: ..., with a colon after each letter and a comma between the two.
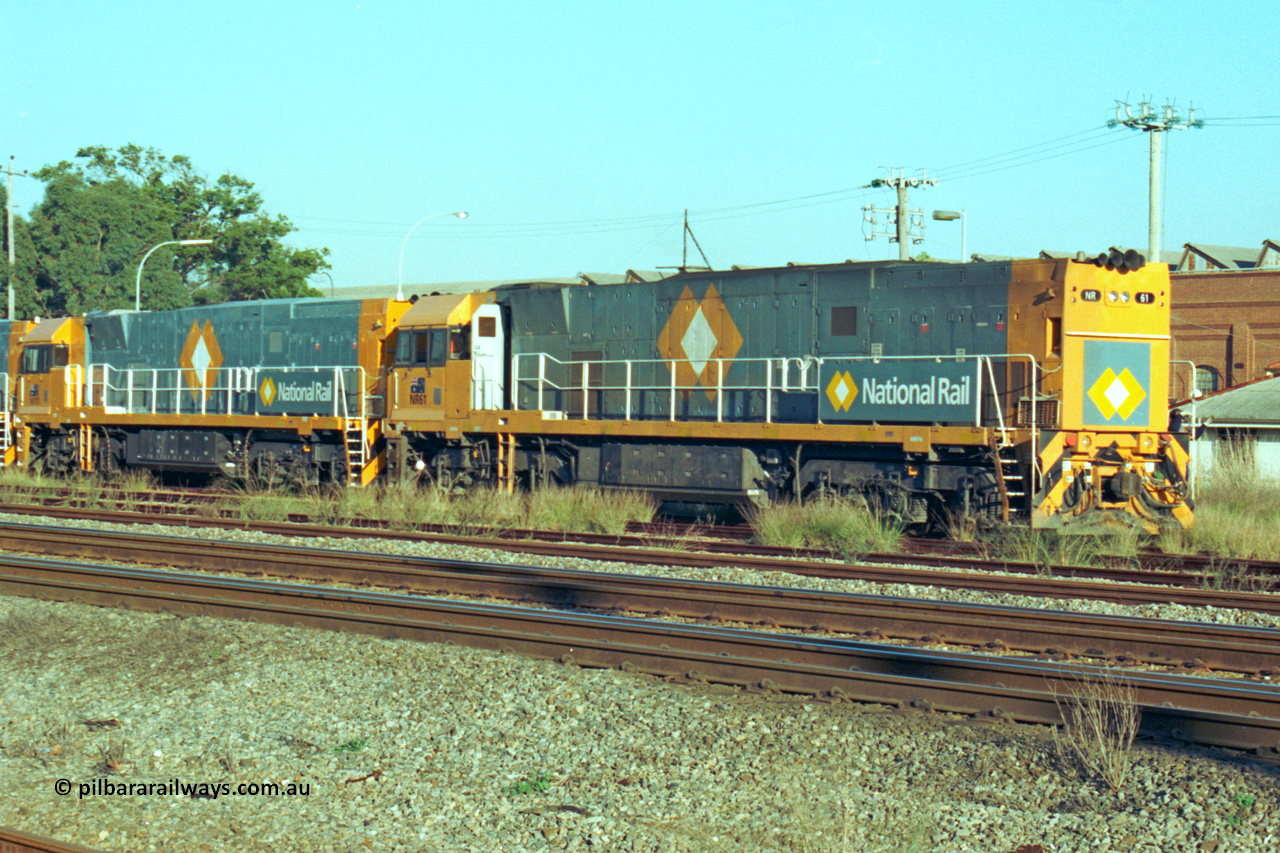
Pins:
x: 1226, y: 320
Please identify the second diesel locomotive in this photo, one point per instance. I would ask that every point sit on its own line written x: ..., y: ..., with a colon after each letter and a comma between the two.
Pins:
x: 1032, y: 391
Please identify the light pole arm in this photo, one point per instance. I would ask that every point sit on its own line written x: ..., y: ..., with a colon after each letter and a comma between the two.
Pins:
x: 137, y: 286
x: 461, y: 214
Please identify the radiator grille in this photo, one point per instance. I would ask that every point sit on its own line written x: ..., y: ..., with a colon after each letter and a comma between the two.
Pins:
x: 1045, y: 414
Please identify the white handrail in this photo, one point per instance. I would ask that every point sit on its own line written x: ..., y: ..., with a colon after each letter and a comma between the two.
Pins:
x: 807, y: 368
x: 69, y: 383
x: 126, y: 384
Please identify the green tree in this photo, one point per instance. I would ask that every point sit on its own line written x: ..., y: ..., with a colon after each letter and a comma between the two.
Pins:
x: 101, y: 214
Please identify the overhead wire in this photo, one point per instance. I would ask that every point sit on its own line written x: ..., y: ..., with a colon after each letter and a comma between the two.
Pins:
x: 1024, y: 156
x: 1018, y: 153
x: 1108, y: 135
x: 1062, y: 146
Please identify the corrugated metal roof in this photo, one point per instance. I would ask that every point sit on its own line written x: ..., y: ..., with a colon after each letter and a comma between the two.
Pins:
x: 1254, y: 403
x: 1270, y: 254
x: 1225, y: 257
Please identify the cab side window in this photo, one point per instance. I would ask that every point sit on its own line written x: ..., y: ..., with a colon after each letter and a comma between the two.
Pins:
x: 37, y: 359
x: 422, y: 347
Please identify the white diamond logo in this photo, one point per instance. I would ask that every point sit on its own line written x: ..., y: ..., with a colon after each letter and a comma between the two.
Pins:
x: 842, y: 390
x: 200, y: 360
x: 699, y: 342
x: 1116, y: 393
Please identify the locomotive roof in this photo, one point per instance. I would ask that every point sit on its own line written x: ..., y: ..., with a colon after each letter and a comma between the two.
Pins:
x: 845, y: 265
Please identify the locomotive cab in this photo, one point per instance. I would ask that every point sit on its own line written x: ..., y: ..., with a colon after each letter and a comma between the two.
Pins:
x: 449, y: 357
x: 49, y: 368
x: 12, y: 332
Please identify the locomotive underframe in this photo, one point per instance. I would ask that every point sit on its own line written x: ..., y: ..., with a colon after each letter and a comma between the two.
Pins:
x: 916, y: 487
x: 238, y: 453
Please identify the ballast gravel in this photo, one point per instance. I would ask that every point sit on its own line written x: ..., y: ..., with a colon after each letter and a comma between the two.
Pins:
x: 400, y: 746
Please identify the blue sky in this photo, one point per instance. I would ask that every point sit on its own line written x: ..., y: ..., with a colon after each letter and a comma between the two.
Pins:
x: 576, y: 133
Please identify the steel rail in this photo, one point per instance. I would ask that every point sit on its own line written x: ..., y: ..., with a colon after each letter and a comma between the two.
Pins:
x: 1212, y: 711
x: 16, y: 841
x: 1045, y: 587
x: 1254, y: 651
x: 1194, y: 571
x: 1180, y: 569
x: 1173, y: 570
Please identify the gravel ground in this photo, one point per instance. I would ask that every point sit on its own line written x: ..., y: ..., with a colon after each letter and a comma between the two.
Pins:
x: 406, y: 746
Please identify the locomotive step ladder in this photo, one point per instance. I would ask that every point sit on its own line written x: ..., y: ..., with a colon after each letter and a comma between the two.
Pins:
x: 506, y: 461
x: 1011, y: 479
x: 86, y: 447
x: 356, y: 450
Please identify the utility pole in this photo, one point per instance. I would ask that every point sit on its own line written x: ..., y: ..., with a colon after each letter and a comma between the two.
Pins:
x: 1148, y: 121
x: 903, y: 219
x: 8, y: 230
x: 684, y: 253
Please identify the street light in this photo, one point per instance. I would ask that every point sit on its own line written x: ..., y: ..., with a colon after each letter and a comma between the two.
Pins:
x: 326, y: 275
x: 137, y: 287
x: 951, y: 216
x: 461, y: 214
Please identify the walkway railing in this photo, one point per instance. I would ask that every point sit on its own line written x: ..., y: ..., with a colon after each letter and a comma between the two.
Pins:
x: 765, y: 390
x: 335, y: 391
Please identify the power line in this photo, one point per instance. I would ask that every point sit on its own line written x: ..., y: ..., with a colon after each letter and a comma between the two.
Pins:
x: 1060, y: 146
x: 1016, y: 151
x: 1119, y: 137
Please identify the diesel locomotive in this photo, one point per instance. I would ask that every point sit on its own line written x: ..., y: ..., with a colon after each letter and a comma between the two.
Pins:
x: 1030, y: 391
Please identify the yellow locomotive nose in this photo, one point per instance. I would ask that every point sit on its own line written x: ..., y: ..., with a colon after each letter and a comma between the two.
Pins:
x: 1114, y: 461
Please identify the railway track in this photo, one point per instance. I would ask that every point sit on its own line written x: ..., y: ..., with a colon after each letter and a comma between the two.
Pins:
x: 1250, y: 651
x: 1216, y: 712
x: 1142, y: 592
x: 1188, y: 570
x: 189, y: 507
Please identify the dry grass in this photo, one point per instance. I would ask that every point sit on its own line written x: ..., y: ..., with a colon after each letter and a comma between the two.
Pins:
x: 845, y: 527
x: 1047, y: 548
x: 586, y: 510
x: 1101, y: 719
x: 1237, y: 516
x: 1237, y: 513
x: 19, y: 485
x: 473, y: 511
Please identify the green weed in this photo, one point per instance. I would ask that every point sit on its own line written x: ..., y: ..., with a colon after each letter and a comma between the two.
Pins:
x: 350, y: 746
x: 529, y: 785
x: 1242, y: 806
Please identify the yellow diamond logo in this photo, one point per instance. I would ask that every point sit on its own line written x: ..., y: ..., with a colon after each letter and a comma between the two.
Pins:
x: 700, y: 339
x: 1117, y: 394
x: 200, y: 359
x: 841, y: 391
x: 267, y: 391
